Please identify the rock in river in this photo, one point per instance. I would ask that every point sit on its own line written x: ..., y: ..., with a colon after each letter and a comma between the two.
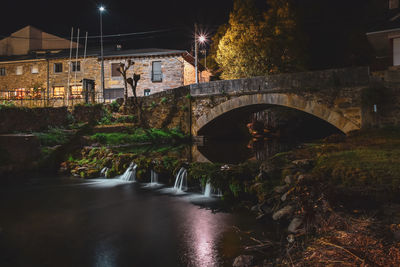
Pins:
x: 243, y: 261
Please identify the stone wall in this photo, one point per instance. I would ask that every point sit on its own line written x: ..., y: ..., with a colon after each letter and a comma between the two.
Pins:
x: 174, y: 69
x: 35, y: 119
x: 172, y: 74
x: 190, y: 74
x: 14, y: 119
x: 90, y: 69
x: 27, y: 79
x: 167, y: 109
x: 301, y: 81
x: 90, y: 113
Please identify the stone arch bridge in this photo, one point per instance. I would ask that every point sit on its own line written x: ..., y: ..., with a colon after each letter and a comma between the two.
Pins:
x: 331, y: 95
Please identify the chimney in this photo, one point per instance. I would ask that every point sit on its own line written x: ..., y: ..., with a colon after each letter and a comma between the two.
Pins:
x: 393, y: 4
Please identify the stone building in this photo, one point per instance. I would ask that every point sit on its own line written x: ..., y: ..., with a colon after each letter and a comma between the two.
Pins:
x: 39, y: 68
x: 384, y: 37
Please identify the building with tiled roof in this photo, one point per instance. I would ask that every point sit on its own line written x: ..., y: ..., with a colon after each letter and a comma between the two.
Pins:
x: 37, y: 68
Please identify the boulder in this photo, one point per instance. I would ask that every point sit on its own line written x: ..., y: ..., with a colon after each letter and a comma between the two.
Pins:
x: 265, y: 208
x: 285, y: 211
x: 295, y: 224
x: 281, y: 189
x: 288, y: 179
x: 243, y: 261
x: 303, y: 163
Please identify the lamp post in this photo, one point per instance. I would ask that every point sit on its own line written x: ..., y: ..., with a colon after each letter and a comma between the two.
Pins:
x: 197, y: 39
x: 102, y: 9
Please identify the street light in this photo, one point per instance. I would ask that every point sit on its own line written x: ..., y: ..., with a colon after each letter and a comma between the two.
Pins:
x: 201, y: 39
x: 102, y: 9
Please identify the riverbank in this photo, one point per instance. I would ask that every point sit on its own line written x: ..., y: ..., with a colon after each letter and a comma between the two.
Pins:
x: 339, y: 200
x: 337, y: 197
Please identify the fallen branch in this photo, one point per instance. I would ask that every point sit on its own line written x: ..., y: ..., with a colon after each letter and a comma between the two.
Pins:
x: 342, y: 248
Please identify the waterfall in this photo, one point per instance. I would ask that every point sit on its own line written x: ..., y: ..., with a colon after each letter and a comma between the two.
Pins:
x: 181, y: 180
x: 154, y: 177
x: 103, y: 172
x: 130, y: 173
x: 207, y: 190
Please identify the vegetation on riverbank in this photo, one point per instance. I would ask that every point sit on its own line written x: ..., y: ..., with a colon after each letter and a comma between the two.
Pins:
x: 335, y: 196
x: 53, y: 136
x: 140, y: 135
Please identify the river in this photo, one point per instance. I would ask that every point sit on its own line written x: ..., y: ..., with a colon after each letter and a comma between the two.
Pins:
x: 74, y: 222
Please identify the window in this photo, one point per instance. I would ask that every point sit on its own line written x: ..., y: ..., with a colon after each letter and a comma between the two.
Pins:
x: 114, y: 70
x: 76, y: 90
x: 18, y: 70
x: 146, y: 92
x: 76, y: 66
x: 156, y: 73
x: 2, y: 71
x: 58, y: 91
x: 58, y: 67
x: 393, y: 4
x: 35, y: 69
x: 20, y: 93
x: 113, y: 93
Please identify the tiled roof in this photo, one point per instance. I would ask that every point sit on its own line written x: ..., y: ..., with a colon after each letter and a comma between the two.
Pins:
x: 390, y: 22
x: 108, y: 53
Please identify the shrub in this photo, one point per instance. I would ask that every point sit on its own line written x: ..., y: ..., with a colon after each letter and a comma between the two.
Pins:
x: 114, y: 106
x: 54, y: 136
x: 138, y: 136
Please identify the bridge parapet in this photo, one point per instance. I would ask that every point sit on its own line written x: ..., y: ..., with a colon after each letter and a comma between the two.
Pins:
x: 348, y: 77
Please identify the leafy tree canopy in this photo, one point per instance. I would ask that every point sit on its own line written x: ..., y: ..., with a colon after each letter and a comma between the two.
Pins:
x: 257, y: 43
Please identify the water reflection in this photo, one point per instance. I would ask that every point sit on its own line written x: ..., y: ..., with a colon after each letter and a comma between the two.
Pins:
x: 234, y: 152
x: 106, y: 223
x: 203, y: 232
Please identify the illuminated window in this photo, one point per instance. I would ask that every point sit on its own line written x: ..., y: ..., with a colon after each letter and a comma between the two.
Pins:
x: 2, y: 71
x: 20, y: 93
x: 58, y: 67
x: 35, y: 69
x: 146, y: 92
x: 58, y: 91
x: 18, y: 70
x: 76, y: 66
x: 76, y: 90
x: 156, y: 73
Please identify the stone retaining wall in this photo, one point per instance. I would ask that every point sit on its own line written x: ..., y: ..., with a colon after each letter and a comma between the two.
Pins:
x: 31, y: 119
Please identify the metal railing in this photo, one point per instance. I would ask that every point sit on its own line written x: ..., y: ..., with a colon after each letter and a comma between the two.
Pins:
x: 23, y: 99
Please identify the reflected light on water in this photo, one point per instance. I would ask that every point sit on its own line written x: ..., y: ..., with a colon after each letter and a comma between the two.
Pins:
x: 105, y: 255
x: 204, y: 230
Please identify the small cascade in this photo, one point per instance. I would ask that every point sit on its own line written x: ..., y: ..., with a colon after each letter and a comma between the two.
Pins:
x: 154, y: 177
x: 103, y: 172
x: 130, y: 173
x: 207, y: 190
x: 181, y: 180
x: 219, y: 193
x: 210, y: 191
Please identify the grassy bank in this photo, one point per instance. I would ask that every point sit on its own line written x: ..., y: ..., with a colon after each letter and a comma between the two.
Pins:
x: 342, y: 195
x: 139, y: 136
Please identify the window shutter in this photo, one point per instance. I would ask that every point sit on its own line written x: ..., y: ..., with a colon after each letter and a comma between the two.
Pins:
x: 114, y: 70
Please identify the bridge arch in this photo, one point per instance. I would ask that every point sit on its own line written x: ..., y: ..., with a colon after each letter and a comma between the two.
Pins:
x: 281, y: 99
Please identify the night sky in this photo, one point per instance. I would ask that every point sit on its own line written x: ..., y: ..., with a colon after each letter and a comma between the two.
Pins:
x: 334, y: 31
x: 176, y: 17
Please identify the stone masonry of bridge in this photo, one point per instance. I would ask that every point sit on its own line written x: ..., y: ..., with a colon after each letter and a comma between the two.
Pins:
x: 332, y: 95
